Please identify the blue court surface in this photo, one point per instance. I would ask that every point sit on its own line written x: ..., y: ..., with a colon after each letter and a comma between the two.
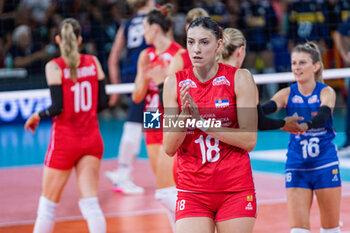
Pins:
x: 20, y: 148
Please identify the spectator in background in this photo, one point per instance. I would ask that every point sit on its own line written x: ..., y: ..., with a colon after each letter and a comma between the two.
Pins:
x: 7, y: 22
x: 342, y: 43
x: 336, y: 12
x: 259, y: 22
x: 279, y: 40
x: 26, y: 54
x: 41, y: 10
x: 216, y: 9
x: 307, y: 22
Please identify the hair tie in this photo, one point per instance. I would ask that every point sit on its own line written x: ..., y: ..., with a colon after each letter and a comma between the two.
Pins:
x: 162, y: 9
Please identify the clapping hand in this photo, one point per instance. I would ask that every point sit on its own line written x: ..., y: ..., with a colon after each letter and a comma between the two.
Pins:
x: 292, y: 125
x: 188, y: 105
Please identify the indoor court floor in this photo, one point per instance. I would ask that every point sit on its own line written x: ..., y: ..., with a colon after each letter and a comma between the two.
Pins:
x: 21, y: 158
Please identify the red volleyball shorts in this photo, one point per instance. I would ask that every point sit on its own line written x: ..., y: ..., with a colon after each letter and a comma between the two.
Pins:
x: 154, y: 137
x: 218, y: 206
x: 64, y: 154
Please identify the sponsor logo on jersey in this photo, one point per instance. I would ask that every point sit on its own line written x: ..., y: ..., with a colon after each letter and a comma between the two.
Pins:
x: 151, y: 119
x: 313, y: 99
x: 335, y: 178
x: 222, y: 80
x: 188, y: 82
x: 249, y: 206
x: 335, y: 171
x: 297, y: 99
x: 221, y: 103
x: 250, y: 198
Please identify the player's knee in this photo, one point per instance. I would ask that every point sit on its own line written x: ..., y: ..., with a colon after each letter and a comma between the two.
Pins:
x: 46, y: 208
x: 90, y: 208
x: 299, y: 230
x: 167, y: 197
x: 330, y: 230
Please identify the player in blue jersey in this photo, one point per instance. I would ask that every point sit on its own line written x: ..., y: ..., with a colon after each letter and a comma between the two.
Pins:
x: 129, y: 36
x: 312, y: 165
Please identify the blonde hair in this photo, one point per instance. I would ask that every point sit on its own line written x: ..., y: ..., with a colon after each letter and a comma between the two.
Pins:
x: 69, y: 33
x: 195, y: 13
x: 313, y: 50
x: 232, y: 39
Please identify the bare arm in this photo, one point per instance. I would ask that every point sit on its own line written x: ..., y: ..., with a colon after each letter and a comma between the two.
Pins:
x: 173, y: 138
x: 53, y: 77
x: 246, y: 135
x: 100, y: 73
x: 176, y: 64
x: 114, y: 56
x: 339, y: 43
x: 281, y: 98
x: 141, y: 80
x: 53, y: 74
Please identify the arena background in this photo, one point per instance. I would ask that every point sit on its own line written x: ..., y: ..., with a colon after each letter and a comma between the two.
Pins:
x: 22, y: 154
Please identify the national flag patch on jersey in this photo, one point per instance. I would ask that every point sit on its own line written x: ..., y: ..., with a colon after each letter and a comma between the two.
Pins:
x: 188, y: 82
x: 221, y: 102
x: 313, y: 99
x: 335, y: 171
x: 297, y: 99
x: 222, y: 80
x: 250, y: 198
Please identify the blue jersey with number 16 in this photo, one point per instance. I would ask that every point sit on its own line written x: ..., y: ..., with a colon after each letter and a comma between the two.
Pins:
x: 314, y: 149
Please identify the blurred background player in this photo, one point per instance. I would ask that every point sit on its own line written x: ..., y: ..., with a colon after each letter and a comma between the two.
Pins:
x: 129, y: 36
x: 152, y: 65
x: 312, y: 165
x: 76, y: 83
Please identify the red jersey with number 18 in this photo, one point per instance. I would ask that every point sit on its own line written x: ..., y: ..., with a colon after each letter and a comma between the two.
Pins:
x: 75, y: 132
x: 205, y: 164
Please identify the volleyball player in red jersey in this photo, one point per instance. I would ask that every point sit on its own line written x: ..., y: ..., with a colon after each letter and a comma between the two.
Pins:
x: 76, y: 83
x: 182, y: 60
x: 215, y: 184
x: 151, y: 70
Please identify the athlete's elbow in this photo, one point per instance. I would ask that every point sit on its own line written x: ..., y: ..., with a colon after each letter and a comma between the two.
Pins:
x: 169, y: 151
x: 250, y: 143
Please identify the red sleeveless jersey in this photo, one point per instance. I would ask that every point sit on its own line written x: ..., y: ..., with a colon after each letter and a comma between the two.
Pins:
x: 152, y: 96
x: 77, y: 126
x: 186, y: 59
x: 205, y: 164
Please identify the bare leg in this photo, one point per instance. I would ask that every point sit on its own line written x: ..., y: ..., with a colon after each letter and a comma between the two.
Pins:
x: 329, y: 203
x: 87, y: 170
x: 195, y: 225
x: 236, y: 225
x: 299, y: 202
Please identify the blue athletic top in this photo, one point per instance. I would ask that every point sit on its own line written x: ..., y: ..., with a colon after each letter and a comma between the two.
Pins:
x: 314, y: 148
x: 135, y: 43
